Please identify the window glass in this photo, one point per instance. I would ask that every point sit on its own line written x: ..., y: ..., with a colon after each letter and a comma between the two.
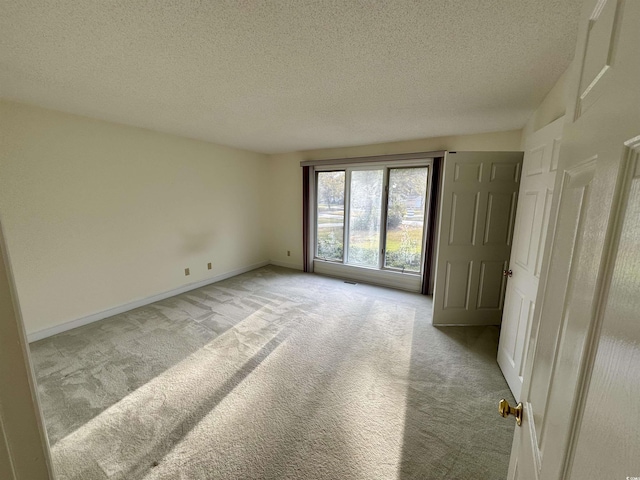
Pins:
x: 405, y: 218
x: 330, y: 215
x: 364, y: 217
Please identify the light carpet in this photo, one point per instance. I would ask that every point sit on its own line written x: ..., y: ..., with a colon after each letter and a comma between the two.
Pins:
x: 275, y: 374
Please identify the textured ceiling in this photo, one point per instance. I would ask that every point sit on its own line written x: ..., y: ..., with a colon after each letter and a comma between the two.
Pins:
x: 278, y: 76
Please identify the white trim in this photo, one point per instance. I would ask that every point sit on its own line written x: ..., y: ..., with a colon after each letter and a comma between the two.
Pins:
x: 479, y: 324
x: 418, y: 162
x: 394, y: 158
x: 372, y: 276
x: 94, y: 317
x: 294, y: 266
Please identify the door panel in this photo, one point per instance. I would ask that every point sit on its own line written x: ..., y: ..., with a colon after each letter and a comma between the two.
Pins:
x: 555, y: 154
x: 499, y: 218
x: 464, y: 218
x: 580, y: 394
x: 467, y: 172
x: 505, y: 172
x: 601, y: 40
x: 525, y: 232
x: 546, y: 218
x: 458, y: 280
x: 491, y: 284
x: 476, y: 226
x: 509, y: 333
x: 533, y: 165
x: 534, y: 213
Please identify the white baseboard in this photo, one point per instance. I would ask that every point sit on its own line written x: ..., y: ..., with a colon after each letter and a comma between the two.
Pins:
x: 286, y: 265
x: 493, y: 324
x: 94, y: 317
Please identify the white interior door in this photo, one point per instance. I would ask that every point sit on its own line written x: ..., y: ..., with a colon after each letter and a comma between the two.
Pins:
x: 581, y: 393
x: 479, y: 196
x: 532, y: 219
x: 24, y: 449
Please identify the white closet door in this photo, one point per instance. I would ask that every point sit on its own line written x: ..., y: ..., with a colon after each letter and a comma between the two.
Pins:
x: 532, y: 220
x: 479, y: 195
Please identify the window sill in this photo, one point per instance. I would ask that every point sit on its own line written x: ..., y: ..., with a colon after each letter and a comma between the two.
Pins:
x: 411, y: 282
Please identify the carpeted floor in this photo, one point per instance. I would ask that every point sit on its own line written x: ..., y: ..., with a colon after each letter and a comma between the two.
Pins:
x: 275, y: 374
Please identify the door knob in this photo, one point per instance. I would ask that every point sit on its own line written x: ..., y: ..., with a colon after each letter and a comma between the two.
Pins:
x: 505, y: 410
x: 507, y: 273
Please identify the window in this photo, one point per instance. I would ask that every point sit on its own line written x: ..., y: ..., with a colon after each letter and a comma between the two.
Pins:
x: 365, y: 210
x: 330, y: 216
x: 372, y: 217
x: 405, y: 218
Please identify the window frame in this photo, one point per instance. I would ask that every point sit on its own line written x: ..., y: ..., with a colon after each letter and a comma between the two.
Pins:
x: 315, y: 217
x: 425, y: 222
x: 386, y: 165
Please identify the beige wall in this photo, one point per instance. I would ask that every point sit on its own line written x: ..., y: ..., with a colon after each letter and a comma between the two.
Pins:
x: 552, y: 107
x: 286, y: 185
x: 98, y: 215
x: 285, y: 233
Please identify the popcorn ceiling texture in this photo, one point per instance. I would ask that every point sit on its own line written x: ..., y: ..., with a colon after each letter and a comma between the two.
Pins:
x: 280, y: 76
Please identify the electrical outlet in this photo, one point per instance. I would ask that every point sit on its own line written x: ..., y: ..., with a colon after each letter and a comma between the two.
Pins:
x: 186, y: 272
x: 288, y: 253
x: 209, y: 266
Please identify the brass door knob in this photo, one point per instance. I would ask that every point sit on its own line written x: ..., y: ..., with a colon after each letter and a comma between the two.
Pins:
x: 505, y: 410
x: 507, y: 273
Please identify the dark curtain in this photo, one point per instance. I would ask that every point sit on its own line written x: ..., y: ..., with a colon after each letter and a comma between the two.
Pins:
x: 305, y: 218
x: 429, y: 258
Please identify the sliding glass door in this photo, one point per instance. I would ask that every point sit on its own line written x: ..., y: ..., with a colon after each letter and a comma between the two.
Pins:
x: 372, y: 217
